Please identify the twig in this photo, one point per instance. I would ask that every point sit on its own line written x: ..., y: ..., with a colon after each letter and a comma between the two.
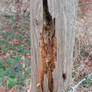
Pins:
x: 87, y: 3
x: 72, y: 89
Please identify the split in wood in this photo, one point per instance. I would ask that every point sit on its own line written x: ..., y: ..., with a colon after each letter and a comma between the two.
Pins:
x: 47, y: 48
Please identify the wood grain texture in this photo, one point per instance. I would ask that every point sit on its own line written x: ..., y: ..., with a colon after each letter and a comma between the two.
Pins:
x: 35, y: 28
x: 65, y: 12
x: 65, y: 28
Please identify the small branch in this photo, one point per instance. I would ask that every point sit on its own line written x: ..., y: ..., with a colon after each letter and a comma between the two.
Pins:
x: 87, y: 3
x: 72, y: 89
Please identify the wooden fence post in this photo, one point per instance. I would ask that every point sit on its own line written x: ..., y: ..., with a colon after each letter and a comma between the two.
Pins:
x: 65, y: 12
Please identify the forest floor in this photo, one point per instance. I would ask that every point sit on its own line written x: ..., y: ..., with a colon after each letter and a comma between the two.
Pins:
x: 82, y: 61
x: 15, y: 58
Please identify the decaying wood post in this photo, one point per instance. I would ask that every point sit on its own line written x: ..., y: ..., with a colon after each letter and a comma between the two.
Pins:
x: 64, y: 12
x: 47, y: 49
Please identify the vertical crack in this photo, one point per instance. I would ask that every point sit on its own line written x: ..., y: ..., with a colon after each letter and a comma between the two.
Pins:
x: 47, y: 48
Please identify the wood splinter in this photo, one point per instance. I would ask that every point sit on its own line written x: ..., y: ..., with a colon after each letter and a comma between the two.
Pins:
x: 47, y: 48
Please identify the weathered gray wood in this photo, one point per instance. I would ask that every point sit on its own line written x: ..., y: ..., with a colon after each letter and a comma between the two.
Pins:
x: 35, y: 27
x: 65, y: 13
x: 65, y: 27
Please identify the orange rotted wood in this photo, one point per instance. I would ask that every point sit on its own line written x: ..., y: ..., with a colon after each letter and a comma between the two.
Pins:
x: 47, y: 48
x: 47, y: 54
